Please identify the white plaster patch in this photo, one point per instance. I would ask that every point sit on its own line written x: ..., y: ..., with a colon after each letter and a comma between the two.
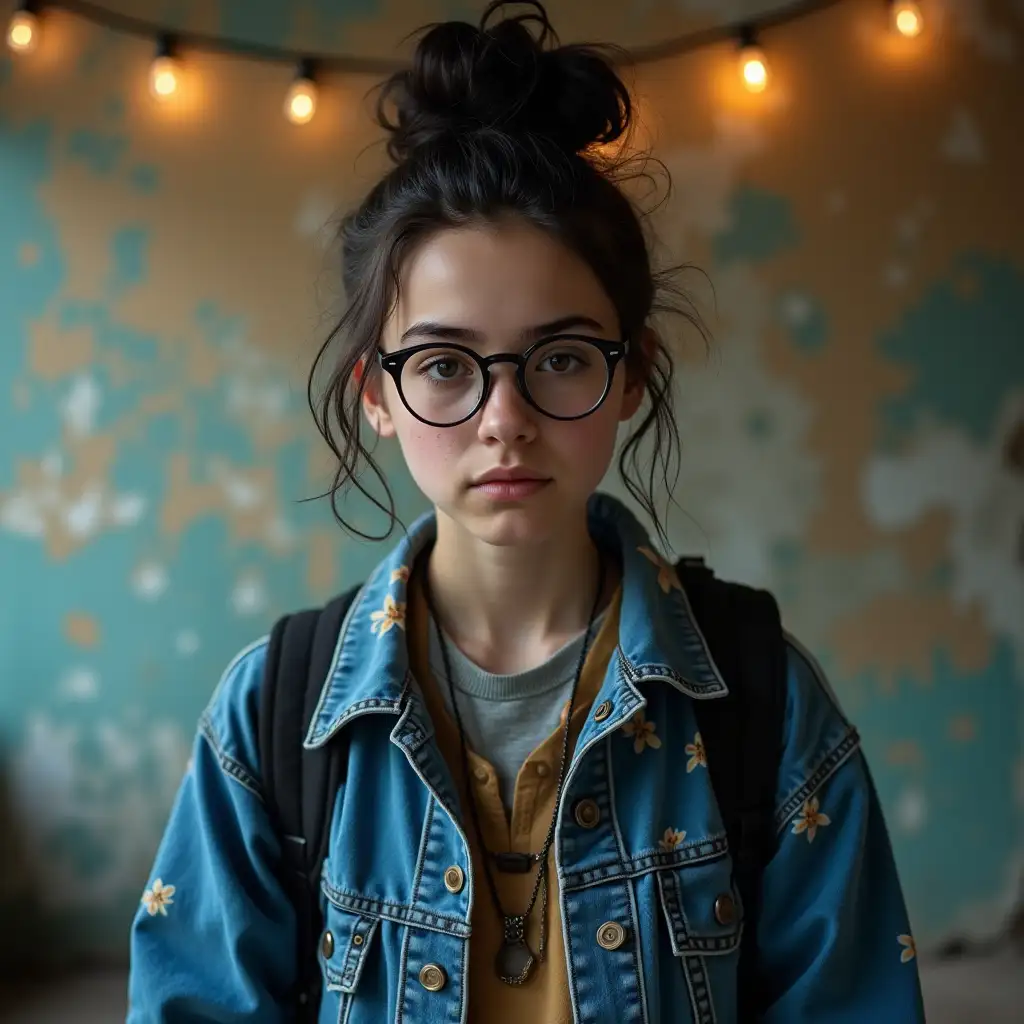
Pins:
x: 249, y: 596
x: 946, y: 469
x: 80, y: 405
x: 186, y: 643
x: 911, y: 810
x: 79, y: 684
x: 149, y: 580
x: 962, y: 143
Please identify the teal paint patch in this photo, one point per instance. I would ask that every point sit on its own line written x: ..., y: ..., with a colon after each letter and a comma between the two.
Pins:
x: 262, y: 21
x: 970, y: 815
x: 100, y: 152
x: 25, y: 290
x: 113, y: 108
x: 145, y: 177
x: 761, y: 225
x: 804, y: 320
x: 130, y: 254
x: 962, y: 344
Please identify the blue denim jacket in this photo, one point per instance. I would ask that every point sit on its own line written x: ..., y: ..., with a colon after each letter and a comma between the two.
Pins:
x: 214, y: 935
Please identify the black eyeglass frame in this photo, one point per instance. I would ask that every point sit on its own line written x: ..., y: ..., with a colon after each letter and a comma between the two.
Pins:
x: 613, y: 352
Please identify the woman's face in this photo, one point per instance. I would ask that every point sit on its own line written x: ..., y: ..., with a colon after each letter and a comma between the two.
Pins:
x: 497, y: 284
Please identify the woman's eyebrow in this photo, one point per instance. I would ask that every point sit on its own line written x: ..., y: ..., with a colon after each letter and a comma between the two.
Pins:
x: 449, y: 332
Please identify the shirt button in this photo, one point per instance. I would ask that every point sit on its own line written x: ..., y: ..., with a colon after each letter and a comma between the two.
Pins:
x: 604, y: 709
x: 725, y: 909
x: 542, y: 769
x: 611, y: 935
x: 327, y: 945
x: 433, y: 977
x: 481, y: 774
x: 587, y: 813
x: 454, y: 879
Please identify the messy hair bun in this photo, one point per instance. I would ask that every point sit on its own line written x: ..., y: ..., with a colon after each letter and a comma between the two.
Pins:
x: 502, y: 78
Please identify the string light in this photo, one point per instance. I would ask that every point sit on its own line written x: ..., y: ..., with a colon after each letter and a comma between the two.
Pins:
x: 23, y: 28
x: 906, y: 18
x: 165, y: 71
x: 300, y: 103
x: 753, y: 65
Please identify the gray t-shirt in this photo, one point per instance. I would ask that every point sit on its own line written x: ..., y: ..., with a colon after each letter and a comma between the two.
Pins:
x: 506, y: 717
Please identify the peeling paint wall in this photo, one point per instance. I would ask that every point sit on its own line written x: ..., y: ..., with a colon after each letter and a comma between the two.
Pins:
x: 855, y: 440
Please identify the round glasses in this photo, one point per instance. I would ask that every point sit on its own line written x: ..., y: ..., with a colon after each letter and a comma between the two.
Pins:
x: 565, y: 377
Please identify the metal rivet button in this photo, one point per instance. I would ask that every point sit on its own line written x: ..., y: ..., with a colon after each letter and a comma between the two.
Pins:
x: 480, y: 774
x: 604, y: 709
x: 454, y: 879
x: 327, y: 945
x: 725, y: 909
x: 357, y: 940
x: 433, y: 977
x: 611, y: 935
x: 587, y: 813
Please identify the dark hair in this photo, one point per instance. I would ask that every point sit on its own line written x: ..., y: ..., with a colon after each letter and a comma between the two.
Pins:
x: 491, y: 122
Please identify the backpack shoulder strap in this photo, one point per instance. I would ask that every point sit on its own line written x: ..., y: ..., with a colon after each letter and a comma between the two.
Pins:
x: 743, y: 736
x: 299, y: 784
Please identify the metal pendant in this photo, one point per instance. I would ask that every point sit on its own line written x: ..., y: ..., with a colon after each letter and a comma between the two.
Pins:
x: 514, y: 961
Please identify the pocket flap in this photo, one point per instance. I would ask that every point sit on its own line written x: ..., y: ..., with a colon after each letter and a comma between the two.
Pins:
x: 344, y: 942
x: 702, y: 908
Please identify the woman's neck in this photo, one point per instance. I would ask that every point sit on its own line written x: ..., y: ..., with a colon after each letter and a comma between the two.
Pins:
x: 510, y: 608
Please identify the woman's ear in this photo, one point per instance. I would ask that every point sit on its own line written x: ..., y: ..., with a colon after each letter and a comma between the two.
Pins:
x: 375, y: 406
x: 636, y: 373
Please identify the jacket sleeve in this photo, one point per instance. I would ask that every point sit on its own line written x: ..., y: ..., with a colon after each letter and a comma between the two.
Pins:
x: 835, y: 943
x: 212, y: 939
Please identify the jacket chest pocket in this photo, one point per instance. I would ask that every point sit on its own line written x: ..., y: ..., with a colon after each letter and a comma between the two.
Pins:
x: 703, y: 914
x: 345, y: 943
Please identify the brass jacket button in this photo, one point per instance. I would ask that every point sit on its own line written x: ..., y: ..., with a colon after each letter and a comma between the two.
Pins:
x: 725, y: 909
x: 587, y: 813
x: 604, y: 709
x: 327, y: 945
x: 454, y: 879
x: 433, y: 977
x: 611, y: 935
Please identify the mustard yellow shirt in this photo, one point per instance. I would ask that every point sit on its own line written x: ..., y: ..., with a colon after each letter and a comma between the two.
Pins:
x: 544, y: 998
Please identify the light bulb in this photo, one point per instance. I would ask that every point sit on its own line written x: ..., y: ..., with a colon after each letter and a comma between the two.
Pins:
x: 753, y: 69
x: 165, y: 71
x: 23, y: 31
x: 907, y: 19
x: 300, y: 104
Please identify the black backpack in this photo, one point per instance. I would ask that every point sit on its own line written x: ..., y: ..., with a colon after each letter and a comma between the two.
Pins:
x: 742, y: 735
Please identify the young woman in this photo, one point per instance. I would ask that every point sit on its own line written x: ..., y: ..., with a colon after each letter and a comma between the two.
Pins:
x: 528, y: 829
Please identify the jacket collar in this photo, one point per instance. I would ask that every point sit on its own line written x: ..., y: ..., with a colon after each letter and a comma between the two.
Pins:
x: 658, y: 635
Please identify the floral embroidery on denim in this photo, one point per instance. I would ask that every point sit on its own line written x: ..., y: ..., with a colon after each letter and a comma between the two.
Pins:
x: 810, y: 819
x: 671, y: 839
x: 642, y: 733
x: 909, y: 950
x: 158, y: 898
x: 392, y: 614
x: 698, y: 755
x: 401, y: 574
x: 668, y: 578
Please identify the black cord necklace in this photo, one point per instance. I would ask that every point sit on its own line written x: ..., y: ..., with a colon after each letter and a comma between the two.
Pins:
x: 515, y: 960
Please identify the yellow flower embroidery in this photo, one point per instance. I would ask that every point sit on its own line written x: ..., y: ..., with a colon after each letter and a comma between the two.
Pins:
x: 642, y: 732
x: 667, y: 575
x: 401, y: 573
x: 809, y: 820
x: 698, y: 756
x: 671, y: 839
x: 159, y: 898
x: 392, y: 614
x: 909, y: 950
